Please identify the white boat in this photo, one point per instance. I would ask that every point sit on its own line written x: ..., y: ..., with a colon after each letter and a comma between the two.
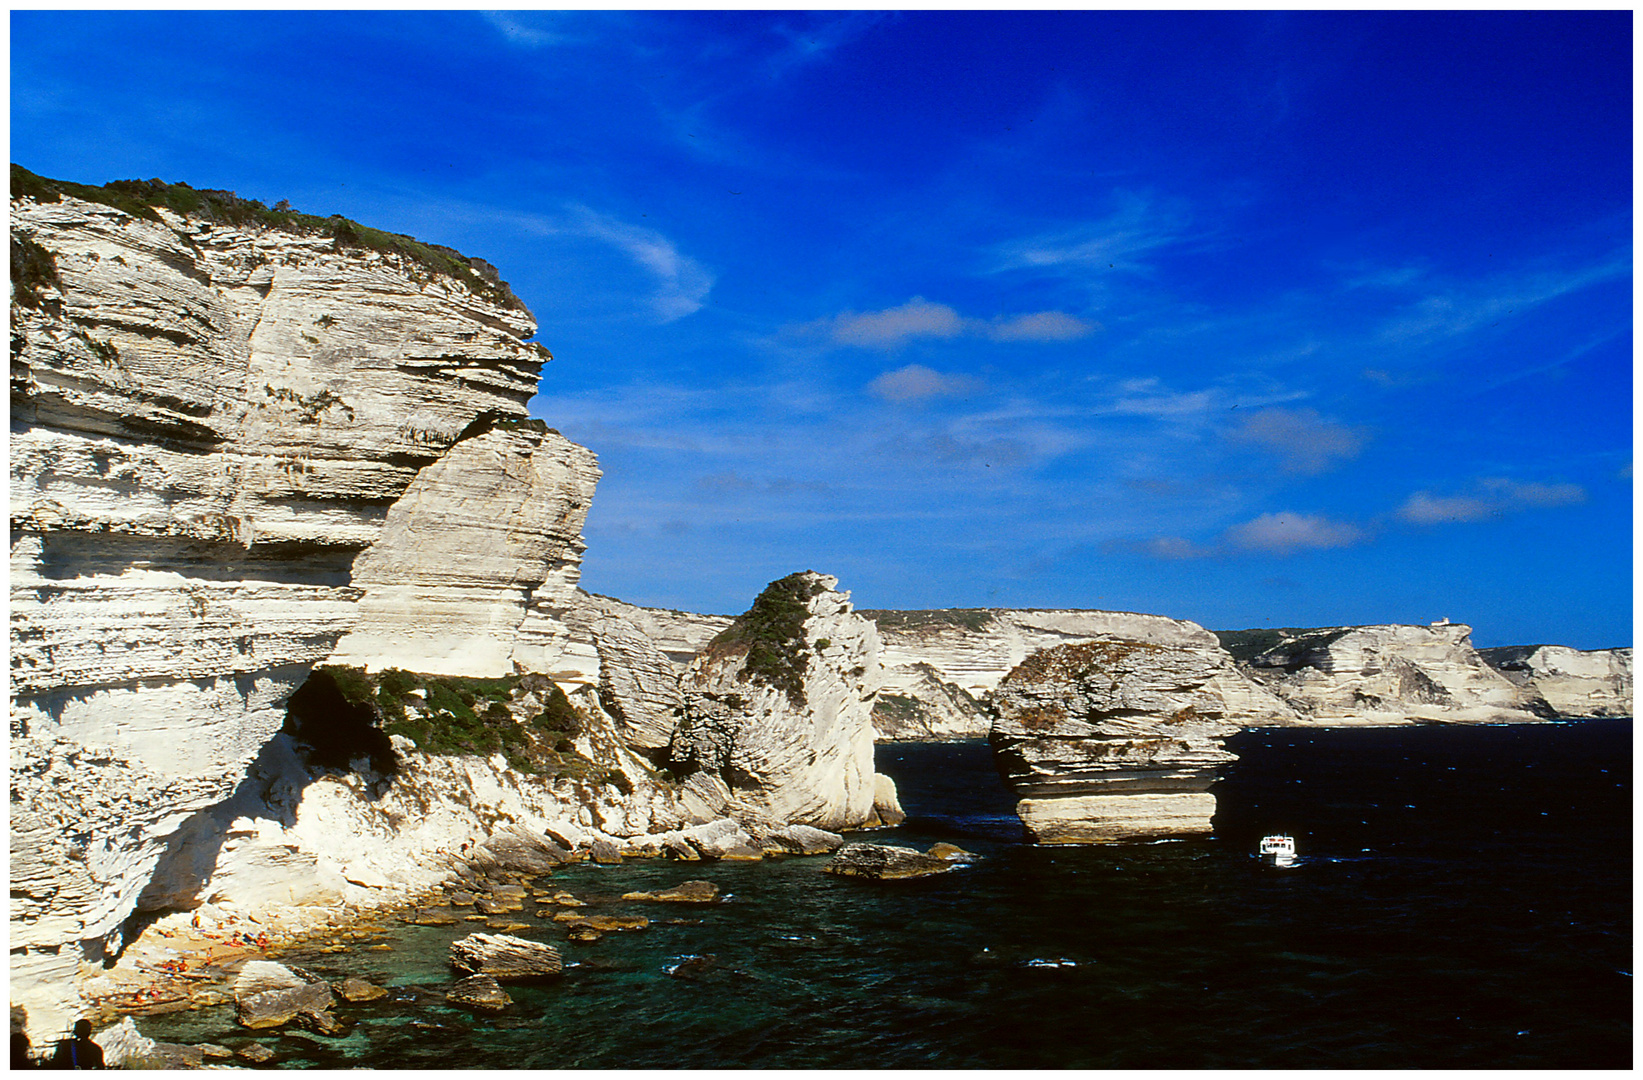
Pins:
x: 1280, y: 850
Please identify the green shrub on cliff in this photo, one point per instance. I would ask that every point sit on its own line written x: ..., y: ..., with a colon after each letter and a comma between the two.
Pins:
x: 339, y: 709
x: 771, y: 635
x: 33, y: 268
x: 559, y: 715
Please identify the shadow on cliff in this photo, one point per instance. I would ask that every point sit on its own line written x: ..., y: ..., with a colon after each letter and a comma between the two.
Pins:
x: 324, y: 734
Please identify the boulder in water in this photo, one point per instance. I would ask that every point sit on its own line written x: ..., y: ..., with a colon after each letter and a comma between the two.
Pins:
x: 272, y: 1008
x: 479, y: 992
x: 802, y: 840
x: 355, y: 990
x: 687, y: 892
x: 261, y: 976
x: 881, y: 862
x: 502, y: 956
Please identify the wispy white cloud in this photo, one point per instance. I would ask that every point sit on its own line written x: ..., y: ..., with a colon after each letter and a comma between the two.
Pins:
x: 1286, y: 532
x: 891, y: 328
x: 1041, y: 326
x: 682, y: 283
x: 1305, y: 442
x: 1492, y: 497
x: 527, y: 29
x: 916, y: 382
x: 1282, y: 533
x: 1460, y: 309
x: 1139, y: 227
x: 817, y: 42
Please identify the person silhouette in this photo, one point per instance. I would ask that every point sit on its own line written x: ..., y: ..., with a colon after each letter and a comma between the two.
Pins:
x: 79, y: 1052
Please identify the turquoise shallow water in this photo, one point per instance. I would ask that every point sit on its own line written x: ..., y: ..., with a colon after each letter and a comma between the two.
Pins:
x: 1463, y: 901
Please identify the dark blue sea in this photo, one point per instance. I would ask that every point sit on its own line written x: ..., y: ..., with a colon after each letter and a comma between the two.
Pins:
x: 1463, y: 900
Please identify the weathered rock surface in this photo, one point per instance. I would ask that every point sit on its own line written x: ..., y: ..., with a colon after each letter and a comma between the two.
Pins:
x: 262, y: 976
x: 883, y: 862
x: 209, y: 422
x: 939, y: 664
x: 354, y: 990
x: 1575, y: 683
x: 1385, y: 675
x: 801, y: 840
x: 272, y: 1008
x: 1113, y: 740
x: 686, y: 892
x: 491, y: 528
x: 778, y: 711
x: 502, y: 956
x: 479, y: 992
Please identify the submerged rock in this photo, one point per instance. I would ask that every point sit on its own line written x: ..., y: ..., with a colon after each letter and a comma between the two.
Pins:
x: 691, y: 967
x: 502, y: 956
x: 882, y: 862
x: 273, y: 1008
x: 354, y: 990
x: 479, y: 992
x: 256, y: 1053
x: 606, y: 924
x: 686, y: 892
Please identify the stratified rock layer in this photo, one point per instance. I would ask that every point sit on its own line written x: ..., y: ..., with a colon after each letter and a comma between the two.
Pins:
x: 1576, y: 683
x: 1116, y: 740
x: 1388, y: 675
x: 492, y: 527
x: 941, y: 664
x: 209, y: 422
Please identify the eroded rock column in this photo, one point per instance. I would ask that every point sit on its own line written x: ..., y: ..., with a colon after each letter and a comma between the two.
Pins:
x: 1114, y: 740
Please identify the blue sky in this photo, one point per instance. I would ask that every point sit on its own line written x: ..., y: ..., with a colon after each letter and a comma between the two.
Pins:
x: 1251, y: 319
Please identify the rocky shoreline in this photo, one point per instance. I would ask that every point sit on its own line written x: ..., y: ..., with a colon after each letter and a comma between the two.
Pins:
x: 254, y: 959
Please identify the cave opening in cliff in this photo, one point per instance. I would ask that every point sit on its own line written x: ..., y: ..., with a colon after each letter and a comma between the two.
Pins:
x: 337, y: 724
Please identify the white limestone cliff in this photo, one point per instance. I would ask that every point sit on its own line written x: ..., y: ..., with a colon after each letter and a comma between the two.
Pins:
x: 1387, y: 675
x: 1576, y: 683
x: 937, y: 663
x: 209, y: 423
x: 491, y: 528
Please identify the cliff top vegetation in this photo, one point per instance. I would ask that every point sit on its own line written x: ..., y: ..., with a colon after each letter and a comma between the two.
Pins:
x: 1246, y: 645
x: 771, y: 634
x: 141, y: 198
x: 967, y: 618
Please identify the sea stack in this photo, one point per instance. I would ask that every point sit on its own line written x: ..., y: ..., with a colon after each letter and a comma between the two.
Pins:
x: 1120, y: 740
x: 778, y: 713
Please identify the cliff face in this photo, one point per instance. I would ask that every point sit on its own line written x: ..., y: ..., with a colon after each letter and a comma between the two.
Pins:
x: 209, y: 424
x: 939, y: 663
x: 1386, y: 675
x: 1575, y: 682
x: 1115, y: 739
x: 244, y: 445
